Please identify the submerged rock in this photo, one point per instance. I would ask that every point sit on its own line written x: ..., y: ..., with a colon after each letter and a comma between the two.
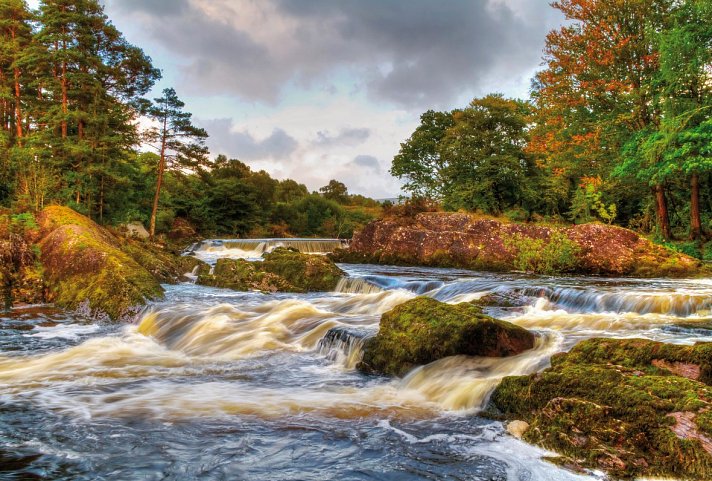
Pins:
x: 464, y: 240
x: 283, y: 270
x: 84, y: 267
x: 424, y: 330
x: 630, y: 407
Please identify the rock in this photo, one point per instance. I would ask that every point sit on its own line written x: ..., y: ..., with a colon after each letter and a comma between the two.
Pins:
x: 631, y: 407
x: 242, y: 275
x: 464, y: 240
x: 306, y: 272
x: 282, y: 270
x: 517, y: 428
x: 166, y: 266
x: 136, y: 230
x: 424, y: 330
x: 181, y: 230
x: 84, y: 267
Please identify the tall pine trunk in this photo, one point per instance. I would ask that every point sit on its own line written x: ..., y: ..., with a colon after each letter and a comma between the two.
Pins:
x: 159, y: 181
x: 18, y: 106
x: 662, y: 212
x: 64, y: 100
x: 695, y: 218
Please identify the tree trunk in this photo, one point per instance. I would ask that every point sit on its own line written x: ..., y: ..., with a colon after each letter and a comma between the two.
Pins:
x: 662, y: 212
x: 64, y: 100
x: 18, y: 108
x: 695, y: 218
x: 159, y: 181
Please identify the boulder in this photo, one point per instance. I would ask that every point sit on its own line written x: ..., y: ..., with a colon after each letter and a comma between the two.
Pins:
x: 283, y: 270
x: 475, y: 242
x: 424, y: 330
x: 136, y: 230
x: 633, y: 407
x: 306, y: 272
x: 242, y: 275
x: 182, y: 230
x: 85, y: 267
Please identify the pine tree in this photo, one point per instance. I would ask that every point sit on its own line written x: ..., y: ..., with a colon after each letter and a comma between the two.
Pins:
x: 180, y: 144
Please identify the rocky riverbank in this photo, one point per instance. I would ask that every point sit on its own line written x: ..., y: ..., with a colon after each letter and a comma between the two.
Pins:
x: 631, y: 407
x: 463, y: 240
x: 63, y: 257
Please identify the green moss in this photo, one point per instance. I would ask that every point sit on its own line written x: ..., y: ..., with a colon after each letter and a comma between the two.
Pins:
x: 241, y: 275
x: 163, y: 264
x: 84, y: 267
x: 423, y: 330
x: 283, y: 270
x: 607, y: 404
x: 306, y: 272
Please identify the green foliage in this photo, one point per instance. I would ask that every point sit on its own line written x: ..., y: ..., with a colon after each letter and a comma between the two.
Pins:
x: 551, y: 255
x: 420, y: 161
x: 587, y: 205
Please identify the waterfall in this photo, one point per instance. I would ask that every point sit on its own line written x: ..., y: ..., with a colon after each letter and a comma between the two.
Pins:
x: 212, y: 249
x: 356, y: 285
x: 343, y: 346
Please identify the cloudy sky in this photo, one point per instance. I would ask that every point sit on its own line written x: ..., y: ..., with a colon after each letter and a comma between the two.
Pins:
x: 322, y: 89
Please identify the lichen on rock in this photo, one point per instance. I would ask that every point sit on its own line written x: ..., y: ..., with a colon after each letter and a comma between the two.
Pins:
x: 424, y: 330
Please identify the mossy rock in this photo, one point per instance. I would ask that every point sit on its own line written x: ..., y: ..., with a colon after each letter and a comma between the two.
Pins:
x: 630, y: 407
x: 309, y: 273
x: 242, y: 275
x: 163, y: 264
x: 424, y: 330
x: 84, y: 267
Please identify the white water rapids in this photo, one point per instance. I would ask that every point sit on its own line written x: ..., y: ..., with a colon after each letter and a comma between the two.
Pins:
x: 216, y: 384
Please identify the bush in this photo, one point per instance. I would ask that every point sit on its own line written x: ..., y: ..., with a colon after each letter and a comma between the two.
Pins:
x: 543, y: 256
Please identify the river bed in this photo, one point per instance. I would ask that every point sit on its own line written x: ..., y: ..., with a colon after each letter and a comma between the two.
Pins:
x: 215, y: 384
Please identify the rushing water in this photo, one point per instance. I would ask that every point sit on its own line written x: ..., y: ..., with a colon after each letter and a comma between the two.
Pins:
x: 216, y: 384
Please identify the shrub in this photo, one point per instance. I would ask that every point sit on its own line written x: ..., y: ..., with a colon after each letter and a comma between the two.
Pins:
x: 543, y: 256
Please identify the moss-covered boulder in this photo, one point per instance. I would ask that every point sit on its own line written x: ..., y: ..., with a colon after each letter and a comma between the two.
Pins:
x: 630, y: 407
x: 242, y: 275
x: 85, y: 267
x: 166, y: 266
x: 424, y: 330
x: 283, y: 270
x: 304, y: 271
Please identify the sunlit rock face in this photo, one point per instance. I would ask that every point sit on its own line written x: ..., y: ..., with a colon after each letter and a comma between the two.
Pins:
x: 464, y: 240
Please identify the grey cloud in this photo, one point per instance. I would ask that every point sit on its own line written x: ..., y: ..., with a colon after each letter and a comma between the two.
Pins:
x: 242, y: 145
x: 367, y: 161
x: 345, y: 137
x: 413, y: 53
x: 152, y: 7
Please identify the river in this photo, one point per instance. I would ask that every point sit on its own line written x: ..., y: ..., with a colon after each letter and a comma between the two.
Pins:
x: 214, y: 384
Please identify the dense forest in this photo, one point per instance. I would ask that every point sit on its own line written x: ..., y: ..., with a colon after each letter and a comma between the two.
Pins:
x: 71, y: 92
x: 617, y: 129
